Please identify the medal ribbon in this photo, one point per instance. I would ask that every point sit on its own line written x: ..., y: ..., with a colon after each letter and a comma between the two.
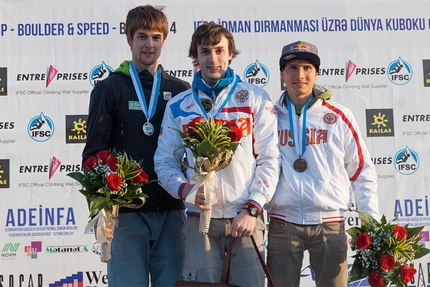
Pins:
x: 149, y: 113
x: 300, y: 140
x: 232, y: 88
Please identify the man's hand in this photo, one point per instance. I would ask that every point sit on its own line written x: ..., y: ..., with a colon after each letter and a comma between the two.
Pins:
x: 199, y: 201
x: 243, y: 224
x: 109, y: 232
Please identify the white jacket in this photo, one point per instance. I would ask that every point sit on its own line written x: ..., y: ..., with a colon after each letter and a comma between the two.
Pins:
x: 337, y: 163
x: 254, y: 171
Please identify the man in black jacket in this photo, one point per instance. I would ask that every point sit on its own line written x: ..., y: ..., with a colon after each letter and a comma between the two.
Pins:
x: 125, y: 114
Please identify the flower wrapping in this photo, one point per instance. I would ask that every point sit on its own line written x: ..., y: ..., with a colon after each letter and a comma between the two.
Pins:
x: 213, y: 143
x: 110, y: 180
x: 384, y: 251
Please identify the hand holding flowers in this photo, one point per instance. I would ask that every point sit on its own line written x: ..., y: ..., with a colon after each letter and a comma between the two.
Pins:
x: 384, y: 251
x: 213, y: 143
x: 110, y: 180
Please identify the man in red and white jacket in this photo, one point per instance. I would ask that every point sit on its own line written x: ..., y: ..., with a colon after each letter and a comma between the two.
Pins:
x: 246, y: 184
x: 324, y: 158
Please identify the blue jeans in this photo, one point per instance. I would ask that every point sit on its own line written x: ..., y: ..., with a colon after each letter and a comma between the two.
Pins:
x: 147, y: 245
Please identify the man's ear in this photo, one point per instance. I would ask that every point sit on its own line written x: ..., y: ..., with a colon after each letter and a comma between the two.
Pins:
x: 129, y: 41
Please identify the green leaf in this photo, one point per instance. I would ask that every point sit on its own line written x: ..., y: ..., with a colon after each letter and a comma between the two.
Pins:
x: 414, y: 231
x: 367, y: 221
x: 357, y: 271
x: 421, y: 251
x: 206, y: 149
x: 354, y: 231
x: 96, y: 204
x: 78, y: 176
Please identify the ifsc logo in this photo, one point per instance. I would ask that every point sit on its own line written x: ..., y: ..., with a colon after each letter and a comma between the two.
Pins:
x: 399, y: 72
x: 40, y: 128
x: 99, y: 72
x: 406, y: 161
x: 257, y: 73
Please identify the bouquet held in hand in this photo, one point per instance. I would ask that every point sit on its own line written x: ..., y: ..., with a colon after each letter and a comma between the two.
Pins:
x: 384, y: 251
x: 213, y: 143
x: 110, y: 180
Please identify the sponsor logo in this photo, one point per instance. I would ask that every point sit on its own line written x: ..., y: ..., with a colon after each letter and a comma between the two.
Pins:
x: 353, y: 70
x: 67, y: 249
x: 3, y: 81
x: 74, y: 280
x: 399, y: 72
x: 4, y: 173
x: 40, y: 128
x: 350, y: 69
x: 51, y: 74
x: 180, y: 73
x: 257, y: 73
x: 76, y: 129
x: 380, y: 122
x: 82, y: 278
x: 7, y: 125
x: 426, y: 73
x: 54, y: 165
x: 406, y: 161
x: 99, y: 73
x: 96, y: 248
x: 32, y: 249
x: 21, y: 279
x: 9, y: 250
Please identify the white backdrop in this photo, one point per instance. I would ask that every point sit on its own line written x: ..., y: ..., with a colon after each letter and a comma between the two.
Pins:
x: 375, y: 57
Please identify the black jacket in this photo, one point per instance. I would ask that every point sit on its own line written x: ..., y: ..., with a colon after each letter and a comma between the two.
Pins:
x: 114, y: 122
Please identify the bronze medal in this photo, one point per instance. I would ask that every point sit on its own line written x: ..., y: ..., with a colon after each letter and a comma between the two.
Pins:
x: 300, y: 165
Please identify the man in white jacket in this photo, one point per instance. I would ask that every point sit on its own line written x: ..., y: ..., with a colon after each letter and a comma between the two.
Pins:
x: 245, y: 185
x: 324, y: 157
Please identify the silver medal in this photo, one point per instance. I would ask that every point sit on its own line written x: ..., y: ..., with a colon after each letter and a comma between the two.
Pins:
x: 148, y: 128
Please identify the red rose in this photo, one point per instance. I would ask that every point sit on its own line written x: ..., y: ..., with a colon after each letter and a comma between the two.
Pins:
x: 112, y: 162
x: 235, y: 134
x: 193, y: 124
x: 363, y: 241
x: 407, y: 273
x: 387, y: 262
x: 142, y: 177
x: 220, y: 122
x: 103, y: 155
x: 400, y: 231
x: 113, y: 181
x: 375, y: 279
x: 90, y: 164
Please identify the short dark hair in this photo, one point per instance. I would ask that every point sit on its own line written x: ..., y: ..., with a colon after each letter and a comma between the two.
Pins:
x: 210, y: 34
x: 146, y: 17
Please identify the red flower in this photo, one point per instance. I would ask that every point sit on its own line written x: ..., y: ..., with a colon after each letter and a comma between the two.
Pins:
x: 387, y: 262
x: 375, y: 279
x: 193, y: 124
x: 217, y: 121
x: 112, y: 162
x: 363, y: 241
x: 113, y: 181
x: 142, y: 177
x: 103, y: 155
x: 236, y: 133
x: 407, y: 273
x: 400, y: 231
x: 90, y: 164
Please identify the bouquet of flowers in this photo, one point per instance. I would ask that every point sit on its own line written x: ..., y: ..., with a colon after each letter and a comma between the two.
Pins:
x: 384, y: 251
x: 110, y: 180
x: 213, y: 143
